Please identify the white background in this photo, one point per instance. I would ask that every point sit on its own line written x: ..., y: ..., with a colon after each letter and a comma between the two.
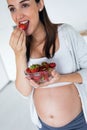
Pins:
x: 73, y: 12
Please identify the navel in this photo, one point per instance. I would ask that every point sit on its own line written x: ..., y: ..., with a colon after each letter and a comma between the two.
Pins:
x: 51, y: 116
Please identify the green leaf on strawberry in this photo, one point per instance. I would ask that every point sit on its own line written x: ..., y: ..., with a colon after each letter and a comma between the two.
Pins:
x: 34, y: 68
x: 45, y: 64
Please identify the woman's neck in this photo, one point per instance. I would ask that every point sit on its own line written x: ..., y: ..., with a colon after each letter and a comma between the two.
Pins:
x: 39, y: 35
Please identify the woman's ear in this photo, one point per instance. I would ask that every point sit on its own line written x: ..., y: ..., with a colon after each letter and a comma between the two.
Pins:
x: 41, y: 5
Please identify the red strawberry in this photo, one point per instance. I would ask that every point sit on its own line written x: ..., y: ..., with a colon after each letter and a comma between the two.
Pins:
x: 34, y: 68
x: 28, y: 70
x: 43, y: 68
x: 45, y: 64
x: 37, y: 76
x: 23, y: 26
x: 52, y: 65
x: 46, y: 76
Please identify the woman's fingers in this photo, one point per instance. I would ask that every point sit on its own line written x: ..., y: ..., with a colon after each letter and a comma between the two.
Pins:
x: 18, y: 40
x: 54, y: 79
x: 34, y: 84
x: 24, y: 40
x: 13, y: 39
x: 56, y: 75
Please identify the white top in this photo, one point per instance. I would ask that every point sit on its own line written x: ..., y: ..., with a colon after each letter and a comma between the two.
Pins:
x: 71, y: 57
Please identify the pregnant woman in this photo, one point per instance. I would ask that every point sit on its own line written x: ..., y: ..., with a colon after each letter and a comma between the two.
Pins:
x: 61, y: 102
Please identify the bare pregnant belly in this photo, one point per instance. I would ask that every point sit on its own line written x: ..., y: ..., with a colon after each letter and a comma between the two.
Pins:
x: 57, y: 106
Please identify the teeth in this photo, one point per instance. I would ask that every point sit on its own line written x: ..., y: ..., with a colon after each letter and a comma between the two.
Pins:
x: 24, y: 22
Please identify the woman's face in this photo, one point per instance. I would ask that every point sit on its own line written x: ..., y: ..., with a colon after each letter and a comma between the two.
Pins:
x: 25, y: 11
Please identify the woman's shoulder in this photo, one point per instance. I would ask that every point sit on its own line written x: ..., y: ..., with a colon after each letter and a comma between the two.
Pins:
x: 64, y: 26
x: 67, y: 29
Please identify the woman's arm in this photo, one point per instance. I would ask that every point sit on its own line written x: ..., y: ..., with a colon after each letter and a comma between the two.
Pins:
x: 22, y: 84
x: 18, y: 44
x: 72, y: 77
x: 79, y: 50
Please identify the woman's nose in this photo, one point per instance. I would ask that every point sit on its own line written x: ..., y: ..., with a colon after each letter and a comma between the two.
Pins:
x: 19, y: 15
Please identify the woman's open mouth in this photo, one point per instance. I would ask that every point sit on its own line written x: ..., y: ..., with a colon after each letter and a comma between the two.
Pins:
x: 24, y: 25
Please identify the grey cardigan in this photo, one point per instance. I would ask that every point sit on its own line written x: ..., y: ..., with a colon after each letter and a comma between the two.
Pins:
x: 78, y: 49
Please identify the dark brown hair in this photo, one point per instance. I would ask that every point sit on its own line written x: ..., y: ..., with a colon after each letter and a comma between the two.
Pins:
x: 51, y: 31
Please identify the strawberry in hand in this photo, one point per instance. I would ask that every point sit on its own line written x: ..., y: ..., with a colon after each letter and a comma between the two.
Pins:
x: 23, y: 25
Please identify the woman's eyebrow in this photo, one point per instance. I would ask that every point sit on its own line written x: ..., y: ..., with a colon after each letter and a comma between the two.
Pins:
x: 23, y: 1
x: 10, y: 5
x: 19, y: 2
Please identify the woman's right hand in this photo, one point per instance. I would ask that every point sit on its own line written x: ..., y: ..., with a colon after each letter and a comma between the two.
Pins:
x: 18, y: 42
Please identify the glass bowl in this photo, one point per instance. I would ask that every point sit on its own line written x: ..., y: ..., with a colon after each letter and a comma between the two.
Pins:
x: 39, y: 77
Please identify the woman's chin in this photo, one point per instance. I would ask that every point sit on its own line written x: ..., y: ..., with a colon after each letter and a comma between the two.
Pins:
x: 27, y: 33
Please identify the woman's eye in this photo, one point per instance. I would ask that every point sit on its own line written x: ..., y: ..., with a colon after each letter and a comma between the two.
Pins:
x: 12, y: 9
x: 25, y: 5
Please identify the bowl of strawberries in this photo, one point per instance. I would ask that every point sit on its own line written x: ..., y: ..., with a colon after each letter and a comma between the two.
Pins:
x: 40, y: 72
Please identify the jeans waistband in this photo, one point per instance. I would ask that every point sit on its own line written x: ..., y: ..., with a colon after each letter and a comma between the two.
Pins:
x: 76, y: 123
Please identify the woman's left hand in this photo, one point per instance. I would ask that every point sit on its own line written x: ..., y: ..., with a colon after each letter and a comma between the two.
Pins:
x: 55, y: 78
